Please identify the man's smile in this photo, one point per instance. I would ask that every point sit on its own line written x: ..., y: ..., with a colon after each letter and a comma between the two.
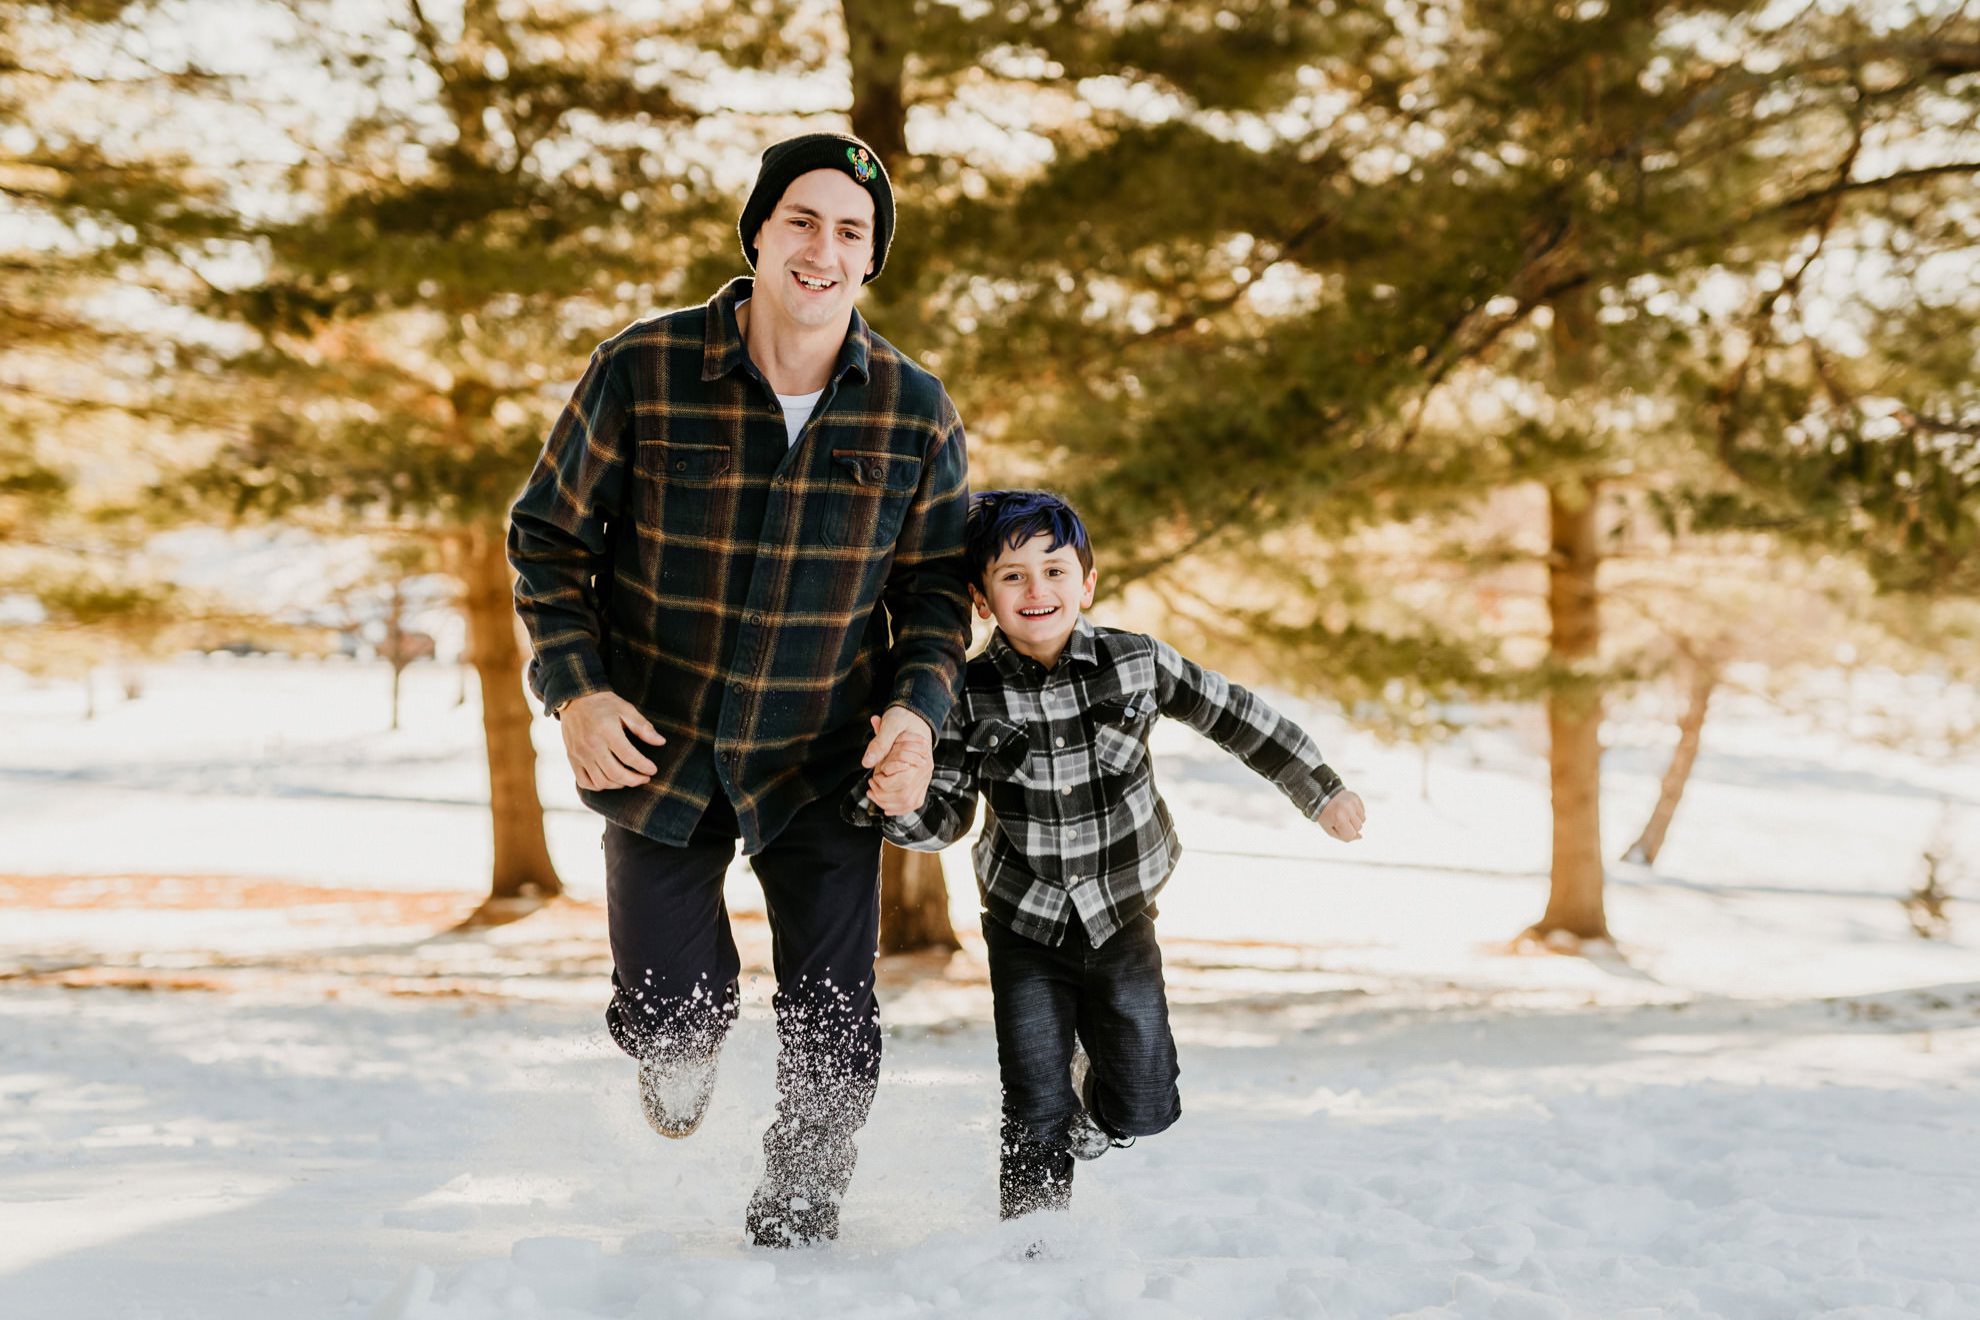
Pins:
x: 815, y: 283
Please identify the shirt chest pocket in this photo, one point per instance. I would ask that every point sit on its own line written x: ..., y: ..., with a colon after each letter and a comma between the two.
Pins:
x: 1002, y: 751
x: 686, y: 488
x: 1120, y: 732
x: 867, y: 496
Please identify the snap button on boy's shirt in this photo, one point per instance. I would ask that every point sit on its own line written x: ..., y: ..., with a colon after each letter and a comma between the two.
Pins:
x: 1073, y: 822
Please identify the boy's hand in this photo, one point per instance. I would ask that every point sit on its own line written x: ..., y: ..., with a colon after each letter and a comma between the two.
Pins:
x: 906, y: 762
x: 1344, y: 817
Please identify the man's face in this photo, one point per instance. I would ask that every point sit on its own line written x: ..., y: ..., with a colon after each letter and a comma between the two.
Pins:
x: 1036, y: 595
x: 816, y: 248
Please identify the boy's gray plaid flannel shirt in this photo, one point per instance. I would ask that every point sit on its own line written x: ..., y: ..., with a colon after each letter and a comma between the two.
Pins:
x: 1074, y: 823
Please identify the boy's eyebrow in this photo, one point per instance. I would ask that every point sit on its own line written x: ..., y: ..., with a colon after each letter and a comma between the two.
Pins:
x: 1064, y: 553
x: 850, y: 222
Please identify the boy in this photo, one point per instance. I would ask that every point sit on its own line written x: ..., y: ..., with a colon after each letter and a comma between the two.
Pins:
x: 1052, y: 728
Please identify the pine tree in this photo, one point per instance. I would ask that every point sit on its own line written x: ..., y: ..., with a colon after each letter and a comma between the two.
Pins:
x: 449, y: 258
x: 96, y: 185
x: 1482, y: 247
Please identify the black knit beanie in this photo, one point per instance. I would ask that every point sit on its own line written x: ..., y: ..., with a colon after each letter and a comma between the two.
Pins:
x: 784, y: 161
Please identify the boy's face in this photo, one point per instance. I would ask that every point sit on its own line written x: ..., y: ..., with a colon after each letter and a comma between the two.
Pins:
x: 1035, y: 595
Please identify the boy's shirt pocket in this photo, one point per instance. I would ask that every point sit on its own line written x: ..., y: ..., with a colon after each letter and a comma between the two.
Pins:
x: 1120, y: 731
x: 1002, y: 749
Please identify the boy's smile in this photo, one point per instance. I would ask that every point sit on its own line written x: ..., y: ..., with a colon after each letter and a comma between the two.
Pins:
x: 1035, y: 595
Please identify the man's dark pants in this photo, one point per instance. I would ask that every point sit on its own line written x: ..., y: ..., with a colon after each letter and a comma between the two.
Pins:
x: 675, y: 967
x: 1113, y: 997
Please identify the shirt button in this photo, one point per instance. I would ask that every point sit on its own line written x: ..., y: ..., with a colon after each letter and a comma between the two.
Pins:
x: 1072, y: 831
x: 1066, y: 791
x: 755, y: 617
x: 1058, y: 742
x: 993, y: 742
x: 729, y: 757
x: 680, y: 465
x: 875, y: 472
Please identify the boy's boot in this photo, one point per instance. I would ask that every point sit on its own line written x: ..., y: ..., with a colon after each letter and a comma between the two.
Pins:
x: 1085, y: 1138
x: 674, y: 1090
x: 1032, y: 1174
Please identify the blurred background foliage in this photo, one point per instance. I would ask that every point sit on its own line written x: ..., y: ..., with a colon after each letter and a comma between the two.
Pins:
x: 1432, y: 357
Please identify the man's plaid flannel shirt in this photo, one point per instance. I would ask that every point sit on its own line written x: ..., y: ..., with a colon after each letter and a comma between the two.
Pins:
x: 672, y: 547
x: 1073, y: 821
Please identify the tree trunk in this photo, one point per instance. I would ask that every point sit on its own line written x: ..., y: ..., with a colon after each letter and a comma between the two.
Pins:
x: 914, y: 902
x: 875, y: 33
x: 914, y: 899
x: 1574, y: 716
x: 395, y: 644
x: 522, y: 857
x: 1704, y: 681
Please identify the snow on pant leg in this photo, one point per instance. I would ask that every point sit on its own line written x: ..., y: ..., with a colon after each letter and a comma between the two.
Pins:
x: 674, y: 960
x: 1124, y: 1024
x: 1032, y: 1175
x: 821, y: 888
x: 1034, y: 1002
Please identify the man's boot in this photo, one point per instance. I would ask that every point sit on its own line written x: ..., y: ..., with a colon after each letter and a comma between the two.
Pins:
x: 808, y: 1164
x: 674, y: 1091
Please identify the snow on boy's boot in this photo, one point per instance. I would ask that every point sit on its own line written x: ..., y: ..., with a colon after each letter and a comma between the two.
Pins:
x: 1085, y: 1138
x: 674, y: 1091
x: 1032, y: 1174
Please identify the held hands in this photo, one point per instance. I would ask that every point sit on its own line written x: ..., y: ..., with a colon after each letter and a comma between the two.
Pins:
x: 601, y: 755
x: 1344, y: 817
x: 903, y: 750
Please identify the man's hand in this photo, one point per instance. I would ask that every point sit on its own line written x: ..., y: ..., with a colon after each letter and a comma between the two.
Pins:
x: 1344, y: 817
x: 595, y: 741
x: 902, y: 758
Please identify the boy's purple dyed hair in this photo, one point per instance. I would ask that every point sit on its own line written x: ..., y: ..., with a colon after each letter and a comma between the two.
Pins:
x: 1001, y: 520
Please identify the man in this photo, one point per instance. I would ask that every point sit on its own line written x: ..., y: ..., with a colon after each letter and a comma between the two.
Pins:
x: 739, y: 562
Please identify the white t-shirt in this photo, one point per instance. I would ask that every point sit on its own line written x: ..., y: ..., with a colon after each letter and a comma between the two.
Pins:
x: 797, y: 411
x: 797, y: 407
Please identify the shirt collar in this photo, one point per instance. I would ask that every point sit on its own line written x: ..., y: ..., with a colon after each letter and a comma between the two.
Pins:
x: 723, y: 350
x: 1013, y: 663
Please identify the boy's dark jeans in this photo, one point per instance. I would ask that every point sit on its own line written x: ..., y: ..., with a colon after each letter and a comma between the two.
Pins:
x: 675, y: 966
x: 1113, y: 998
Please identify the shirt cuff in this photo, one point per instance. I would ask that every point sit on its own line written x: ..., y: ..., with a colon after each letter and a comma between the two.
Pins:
x: 562, y: 681
x: 1329, y: 786
x: 926, y: 698
x: 858, y: 809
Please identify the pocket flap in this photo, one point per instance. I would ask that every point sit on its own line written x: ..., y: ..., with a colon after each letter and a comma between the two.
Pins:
x: 1133, y: 707
x: 998, y: 737
x: 892, y: 472
x: 694, y: 462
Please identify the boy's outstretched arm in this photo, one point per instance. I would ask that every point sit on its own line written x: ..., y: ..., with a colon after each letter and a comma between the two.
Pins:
x: 1270, y: 744
x: 945, y: 814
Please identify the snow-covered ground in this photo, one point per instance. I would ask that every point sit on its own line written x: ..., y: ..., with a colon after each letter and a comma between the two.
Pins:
x: 324, y: 1104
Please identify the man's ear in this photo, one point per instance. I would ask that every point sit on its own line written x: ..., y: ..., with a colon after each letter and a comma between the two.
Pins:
x: 1086, y: 593
x: 982, y: 605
